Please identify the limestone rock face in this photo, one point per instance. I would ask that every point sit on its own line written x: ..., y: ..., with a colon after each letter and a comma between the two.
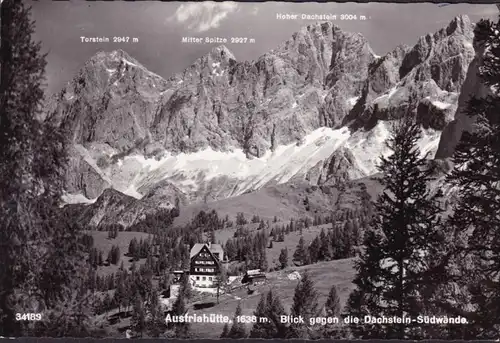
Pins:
x: 471, y: 87
x: 423, y: 81
x: 340, y: 167
x: 113, y: 207
x: 112, y: 100
x: 140, y: 134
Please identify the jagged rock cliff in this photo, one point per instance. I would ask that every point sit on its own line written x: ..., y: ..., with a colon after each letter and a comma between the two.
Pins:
x: 314, y: 108
x: 423, y: 81
x: 113, y: 207
x: 471, y: 87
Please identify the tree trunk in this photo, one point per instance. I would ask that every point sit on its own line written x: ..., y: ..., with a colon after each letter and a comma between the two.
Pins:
x: 401, y: 297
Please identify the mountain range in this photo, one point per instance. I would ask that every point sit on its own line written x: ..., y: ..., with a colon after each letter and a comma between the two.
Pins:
x: 316, y: 111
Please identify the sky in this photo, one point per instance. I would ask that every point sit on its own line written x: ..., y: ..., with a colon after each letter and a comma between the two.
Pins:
x: 160, y: 26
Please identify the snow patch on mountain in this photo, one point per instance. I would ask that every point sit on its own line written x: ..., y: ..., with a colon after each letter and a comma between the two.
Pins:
x: 386, y: 96
x: 352, y: 101
x: 132, y: 175
x: 68, y: 198
x: 128, y: 62
x: 439, y: 104
x: 368, y: 146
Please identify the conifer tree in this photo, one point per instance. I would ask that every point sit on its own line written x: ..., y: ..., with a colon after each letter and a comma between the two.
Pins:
x: 262, y: 225
x: 225, y: 331
x: 155, y: 319
x: 336, y: 243
x: 107, y: 303
x: 179, y: 306
x: 211, y: 236
x: 270, y: 308
x: 313, y: 250
x: 138, y: 321
x: 41, y: 251
x: 325, y: 251
x: 238, y: 329
x: 475, y: 223
x: 274, y: 312
x: 305, y: 304
x: 240, y: 219
x: 263, y: 265
x: 300, y: 252
x: 332, y: 305
x: 121, y: 291
x: 186, y: 288
x: 307, y: 258
x: 283, y: 258
x: 182, y: 330
x: 260, y: 329
x: 396, y: 266
x: 132, y: 247
x: 100, y: 258
x: 115, y: 255
x: 221, y: 282
x: 332, y: 309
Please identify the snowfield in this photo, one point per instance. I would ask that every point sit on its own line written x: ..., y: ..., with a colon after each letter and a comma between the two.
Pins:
x: 188, y: 170
x: 76, y: 199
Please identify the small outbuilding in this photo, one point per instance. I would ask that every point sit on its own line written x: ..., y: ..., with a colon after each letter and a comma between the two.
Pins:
x: 254, y: 277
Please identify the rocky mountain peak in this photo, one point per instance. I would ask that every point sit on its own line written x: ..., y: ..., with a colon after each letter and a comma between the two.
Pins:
x: 472, y: 87
x: 319, y: 28
x: 460, y: 25
x: 211, y: 67
x: 222, y: 52
x: 112, y: 59
x: 423, y: 80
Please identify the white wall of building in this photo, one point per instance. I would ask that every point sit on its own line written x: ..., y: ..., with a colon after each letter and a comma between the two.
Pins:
x: 202, y: 280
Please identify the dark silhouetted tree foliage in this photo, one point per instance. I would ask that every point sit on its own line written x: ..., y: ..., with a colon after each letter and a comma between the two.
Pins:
x: 114, y: 255
x: 240, y: 219
x: 283, y: 258
x: 225, y: 331
x: 138, y: 321
x: 155, y: 222
x: 238, y: 329
x: 207, y: 221
x: 259, y: 329
x: 305, y: 304
x: 300, y: 251
x: 155, y: 320
x: 474, y: 226
x: 332, y: 309
x: 396, y: 269
x: 270, y: 308
x: 42, y: 258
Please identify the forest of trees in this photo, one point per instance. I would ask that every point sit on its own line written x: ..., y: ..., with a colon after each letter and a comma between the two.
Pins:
x: 412, y: 258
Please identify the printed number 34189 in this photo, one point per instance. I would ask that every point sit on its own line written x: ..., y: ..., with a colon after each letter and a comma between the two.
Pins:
x: 28, y: 316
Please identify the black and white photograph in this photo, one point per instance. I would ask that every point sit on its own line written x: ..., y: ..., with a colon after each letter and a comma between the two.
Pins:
x: 226, y: 170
